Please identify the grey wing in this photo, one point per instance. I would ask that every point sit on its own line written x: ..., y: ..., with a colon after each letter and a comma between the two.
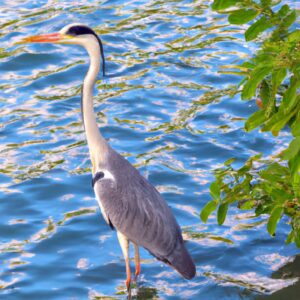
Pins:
x: 136, y: 209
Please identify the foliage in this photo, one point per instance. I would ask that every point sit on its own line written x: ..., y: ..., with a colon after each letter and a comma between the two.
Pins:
x: 265, y: 186
x: 272, y: 76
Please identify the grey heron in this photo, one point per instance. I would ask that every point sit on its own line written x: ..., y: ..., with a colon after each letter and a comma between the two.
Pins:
x: 128, y: 202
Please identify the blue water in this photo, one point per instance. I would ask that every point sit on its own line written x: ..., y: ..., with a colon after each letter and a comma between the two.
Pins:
x: 165, y: 106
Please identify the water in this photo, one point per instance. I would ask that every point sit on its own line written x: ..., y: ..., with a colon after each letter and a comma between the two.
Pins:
x: 163, y: 105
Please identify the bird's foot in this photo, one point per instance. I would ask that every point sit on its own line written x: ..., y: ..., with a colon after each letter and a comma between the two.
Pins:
x: 128, y: 285
x: 129, y: 296
x: 135, y: 278
x: 137, y: 273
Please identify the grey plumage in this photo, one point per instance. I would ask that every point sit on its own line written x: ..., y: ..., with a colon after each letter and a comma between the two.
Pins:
x: 136, y: 209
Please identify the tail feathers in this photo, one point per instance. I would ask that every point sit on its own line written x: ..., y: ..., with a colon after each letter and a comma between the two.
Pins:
x: 181, y: 261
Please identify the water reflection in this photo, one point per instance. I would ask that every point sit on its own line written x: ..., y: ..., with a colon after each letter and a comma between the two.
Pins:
x: 138, y: 291
x: 251, y: 281
x: 288, y: 272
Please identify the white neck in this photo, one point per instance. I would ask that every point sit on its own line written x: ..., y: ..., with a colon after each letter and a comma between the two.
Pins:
x: 96, y: 143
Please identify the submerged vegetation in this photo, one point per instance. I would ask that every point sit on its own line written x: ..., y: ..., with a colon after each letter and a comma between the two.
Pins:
x: 272, y: 79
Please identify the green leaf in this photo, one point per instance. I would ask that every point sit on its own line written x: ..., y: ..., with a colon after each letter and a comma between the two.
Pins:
x: 296, y: 125
x: 255, y: 120
x: 222, y: 212
x: 279, y: 195
x: 215, y: 190
x: 277, y: 122
x: 242, y: 16
x: 267, y: 97
x: 297, y: 237
x: 290, y: 98
x: 292, y: 150
x: 257, y: 28
x: 208, y: 209
x: 294, y: 36
x: 277, y: 78
x: 229, y: 161
x: 266, y: 58
x: 265, y: 3
x: 223, y: 4
x: 265, y: 92
x: 276, y: 168
x: 248, y: 65
x: 256, y: 76
x: 289, y: 19
x: 290, y: 237
x: 294, y: 165
x: 268, y: 176
x: 283, y: 10
x: 247, y: 205
x: 273, y: 220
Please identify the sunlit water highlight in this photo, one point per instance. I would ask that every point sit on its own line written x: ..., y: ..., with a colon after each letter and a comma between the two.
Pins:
x: 167, y: 108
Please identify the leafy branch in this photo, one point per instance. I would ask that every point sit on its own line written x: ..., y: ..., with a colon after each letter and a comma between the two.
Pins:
x: 272, y: 76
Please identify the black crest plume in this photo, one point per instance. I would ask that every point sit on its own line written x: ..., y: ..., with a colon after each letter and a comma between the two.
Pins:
x: 81, y: 30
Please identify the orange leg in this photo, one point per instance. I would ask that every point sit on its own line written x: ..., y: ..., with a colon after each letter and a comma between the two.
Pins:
x: 124, y: 243
x: 137, y: 261
x: 128, y: 279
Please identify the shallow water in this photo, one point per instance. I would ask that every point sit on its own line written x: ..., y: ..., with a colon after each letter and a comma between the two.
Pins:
x: 164, y: 105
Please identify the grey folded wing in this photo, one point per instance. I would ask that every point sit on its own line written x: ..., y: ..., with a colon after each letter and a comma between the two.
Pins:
x: 136, y: 209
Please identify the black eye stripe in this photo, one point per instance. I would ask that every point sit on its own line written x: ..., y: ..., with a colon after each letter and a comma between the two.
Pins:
x: 79, y: 30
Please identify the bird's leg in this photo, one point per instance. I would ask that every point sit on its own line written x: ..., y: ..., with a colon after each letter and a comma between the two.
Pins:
x: 124, y: 243
x: 137, y: 261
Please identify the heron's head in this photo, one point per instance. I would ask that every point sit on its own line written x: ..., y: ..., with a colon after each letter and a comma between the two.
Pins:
x: 77, y: 34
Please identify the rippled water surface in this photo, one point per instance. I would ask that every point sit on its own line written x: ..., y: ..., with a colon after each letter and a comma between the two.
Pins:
x: 164, y: 105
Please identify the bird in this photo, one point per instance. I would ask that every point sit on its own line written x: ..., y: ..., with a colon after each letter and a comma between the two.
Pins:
x: 129, y: 203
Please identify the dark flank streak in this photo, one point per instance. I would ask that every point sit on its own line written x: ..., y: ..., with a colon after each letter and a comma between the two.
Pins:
x: 98, y: 176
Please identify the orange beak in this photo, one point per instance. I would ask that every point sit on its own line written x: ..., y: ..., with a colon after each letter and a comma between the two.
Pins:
x: 46, y: 38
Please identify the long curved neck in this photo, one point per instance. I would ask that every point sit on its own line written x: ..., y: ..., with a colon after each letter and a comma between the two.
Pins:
x: 96, y: 143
